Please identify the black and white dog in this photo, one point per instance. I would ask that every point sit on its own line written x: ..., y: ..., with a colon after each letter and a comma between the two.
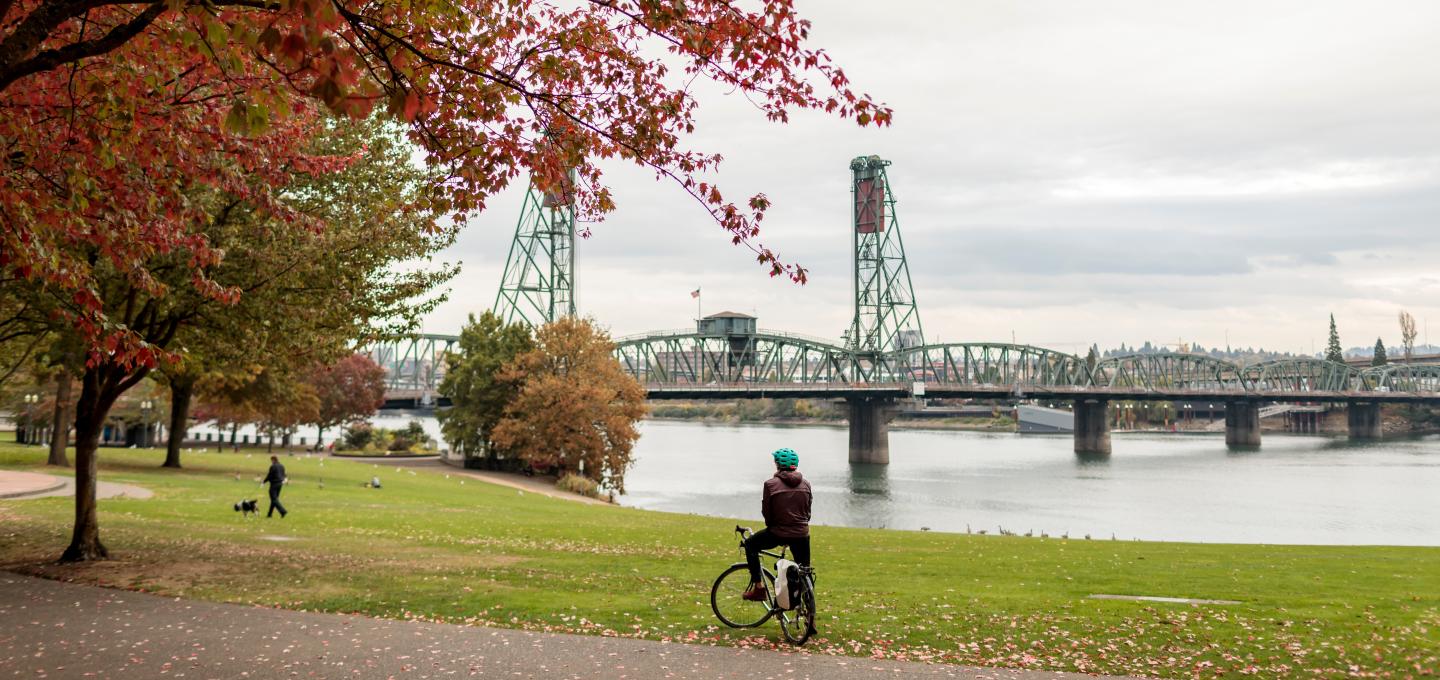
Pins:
x: 248, y: 507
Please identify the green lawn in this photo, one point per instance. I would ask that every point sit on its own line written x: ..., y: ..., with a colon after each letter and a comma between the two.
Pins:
x: 428, y: 546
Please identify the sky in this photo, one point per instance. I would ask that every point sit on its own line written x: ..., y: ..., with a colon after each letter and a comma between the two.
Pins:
x: 1066, y: 173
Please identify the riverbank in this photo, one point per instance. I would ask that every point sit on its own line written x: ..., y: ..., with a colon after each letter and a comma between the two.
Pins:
x: 429, y: 547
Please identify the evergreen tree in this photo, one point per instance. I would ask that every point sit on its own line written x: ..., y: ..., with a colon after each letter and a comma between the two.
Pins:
x: 1379, y: 359
x: 1333, y: 352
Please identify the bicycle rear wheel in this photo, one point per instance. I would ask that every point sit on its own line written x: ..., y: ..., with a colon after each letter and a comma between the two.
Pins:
x: 733, y: 610
x: 799, y: 623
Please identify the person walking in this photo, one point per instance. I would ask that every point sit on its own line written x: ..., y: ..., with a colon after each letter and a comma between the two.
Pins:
x: 785, y: 505
x: 275, y: 478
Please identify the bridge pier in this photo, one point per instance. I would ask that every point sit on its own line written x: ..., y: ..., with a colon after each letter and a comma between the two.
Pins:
x: 1364, y: 418
x: 870, y: 429
x: 1242, y: 425
x: 1092, y: 428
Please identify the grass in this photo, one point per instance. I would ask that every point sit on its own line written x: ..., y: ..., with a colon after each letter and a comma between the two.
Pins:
x: 432, y: 547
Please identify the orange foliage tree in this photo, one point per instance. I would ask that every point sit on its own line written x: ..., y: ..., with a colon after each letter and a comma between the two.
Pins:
x: 577, y: 408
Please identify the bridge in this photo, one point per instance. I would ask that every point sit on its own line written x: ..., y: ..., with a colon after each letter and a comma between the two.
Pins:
x: 883, y: 357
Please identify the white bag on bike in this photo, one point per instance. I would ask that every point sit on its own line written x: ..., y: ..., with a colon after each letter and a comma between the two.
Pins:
x: 782, y: 583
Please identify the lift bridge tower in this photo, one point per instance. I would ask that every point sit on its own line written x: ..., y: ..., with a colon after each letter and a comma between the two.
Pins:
x: 539, y: 281
x: 887, y: 318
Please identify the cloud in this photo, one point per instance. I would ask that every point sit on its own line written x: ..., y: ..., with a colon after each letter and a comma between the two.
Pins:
x: 1100, y: 172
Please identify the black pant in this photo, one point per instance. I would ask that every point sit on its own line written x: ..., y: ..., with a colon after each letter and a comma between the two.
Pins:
x: 275, y: 501
x: 764, y: 540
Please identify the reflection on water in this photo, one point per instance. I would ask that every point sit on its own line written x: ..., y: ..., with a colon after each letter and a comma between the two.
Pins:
x: 1295, y: 489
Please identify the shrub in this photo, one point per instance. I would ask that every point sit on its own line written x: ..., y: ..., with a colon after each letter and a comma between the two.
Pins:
x: 358, y: 436
x: 577, y: 484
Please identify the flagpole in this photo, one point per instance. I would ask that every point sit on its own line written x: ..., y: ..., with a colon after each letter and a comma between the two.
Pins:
x: 698, y: 300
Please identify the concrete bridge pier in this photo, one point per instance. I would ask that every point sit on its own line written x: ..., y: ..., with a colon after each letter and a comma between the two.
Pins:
x: 1242, y: 425
x: 870, y: 429
x: 1092, y: 428
x: 1364, y: 420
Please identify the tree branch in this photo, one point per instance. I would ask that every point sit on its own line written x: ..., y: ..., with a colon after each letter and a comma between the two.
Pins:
x: 25, y: 39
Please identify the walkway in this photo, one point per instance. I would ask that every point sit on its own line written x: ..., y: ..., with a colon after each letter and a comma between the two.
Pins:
x: 16, y: 485
x: 59, y: 630
x: 544, y: 486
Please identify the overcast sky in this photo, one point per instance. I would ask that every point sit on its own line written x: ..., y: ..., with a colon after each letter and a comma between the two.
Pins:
x: 1067, y: 173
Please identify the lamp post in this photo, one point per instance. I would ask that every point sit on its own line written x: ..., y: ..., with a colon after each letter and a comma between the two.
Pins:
x: 30, y: 401
x: 145, y: 406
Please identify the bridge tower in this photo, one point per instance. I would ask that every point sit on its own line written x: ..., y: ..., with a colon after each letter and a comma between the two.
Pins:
x: 886, y: 315
x: 539, y: 281
x: 887, y: 318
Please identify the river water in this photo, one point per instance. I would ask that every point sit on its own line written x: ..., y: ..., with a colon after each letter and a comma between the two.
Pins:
x: 1171, y: 487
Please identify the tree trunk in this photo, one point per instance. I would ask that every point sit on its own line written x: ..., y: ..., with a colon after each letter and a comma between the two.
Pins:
x: 63, y: 406
x: 180, y: 392
x: 234, y: 428
x: 90, y: 413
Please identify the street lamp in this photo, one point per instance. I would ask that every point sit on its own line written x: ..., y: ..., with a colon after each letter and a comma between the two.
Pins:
x: 145, y: 406
x: 30, y: 401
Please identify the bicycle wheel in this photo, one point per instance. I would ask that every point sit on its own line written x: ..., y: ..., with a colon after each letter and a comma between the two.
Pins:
x: 733, y: 610
x: 799, y: 623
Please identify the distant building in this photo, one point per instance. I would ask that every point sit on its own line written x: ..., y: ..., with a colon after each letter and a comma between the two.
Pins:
x: 727, y: 323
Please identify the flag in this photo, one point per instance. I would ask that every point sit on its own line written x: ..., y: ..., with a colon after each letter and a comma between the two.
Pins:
x: 695, y: 293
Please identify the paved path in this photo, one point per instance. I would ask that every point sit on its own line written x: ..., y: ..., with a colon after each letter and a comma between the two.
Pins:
x: 544, y: 486
x: 16, y: 485
x: 59, y: 630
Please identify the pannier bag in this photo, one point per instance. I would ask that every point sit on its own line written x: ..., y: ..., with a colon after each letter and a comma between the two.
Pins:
x: 787, y: 584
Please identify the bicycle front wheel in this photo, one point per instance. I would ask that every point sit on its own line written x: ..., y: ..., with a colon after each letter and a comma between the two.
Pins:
x: 730, y: 607
x: 798, y: 624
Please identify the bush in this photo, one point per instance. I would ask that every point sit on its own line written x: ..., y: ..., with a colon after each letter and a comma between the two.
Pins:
x: 358, y: 436
x: 577, y: 484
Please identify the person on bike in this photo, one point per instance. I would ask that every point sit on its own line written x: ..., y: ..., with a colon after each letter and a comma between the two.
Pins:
x: 785, y: 505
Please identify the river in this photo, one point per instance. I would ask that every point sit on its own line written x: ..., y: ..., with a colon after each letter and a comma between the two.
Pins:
x: 1170, y: 487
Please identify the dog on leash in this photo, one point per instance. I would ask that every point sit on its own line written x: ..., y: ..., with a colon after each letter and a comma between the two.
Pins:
x: 247, y: 507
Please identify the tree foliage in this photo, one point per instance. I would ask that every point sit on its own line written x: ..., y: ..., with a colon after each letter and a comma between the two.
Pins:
x: 1407, y: 334
x: 1333, y: 351
x: 1379, y: 358
x: 577, y: 408
x: 478, y: 395
x: 111, y: 110
x: 348, y: 390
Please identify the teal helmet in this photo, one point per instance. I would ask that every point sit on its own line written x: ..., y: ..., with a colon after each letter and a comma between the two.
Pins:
x: 786, y: 458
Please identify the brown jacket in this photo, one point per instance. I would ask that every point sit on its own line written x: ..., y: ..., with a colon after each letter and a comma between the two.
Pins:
x: 785, y: 505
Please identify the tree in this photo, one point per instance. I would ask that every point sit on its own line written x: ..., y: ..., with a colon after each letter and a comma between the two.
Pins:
x: 1092, y: 358
x: 1379, y: 357
x: 348, y: 390
x: 110, y: 106
x: 315, y: 285
x: 61, y: 419
x: 1333, y: 351
x: 577, y: 408
x: 478, y: 396
x: 1407, y: 334
x: 308, y: 295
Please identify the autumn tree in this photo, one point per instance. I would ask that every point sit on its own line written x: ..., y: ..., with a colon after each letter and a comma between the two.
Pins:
x: 347, y: 390
x: 317, y: 271
x: 1333, y: 351
x: 488, y: 89
x: 1407, y: 334
x: 478, y: 396
x: 577, y: 407
x: 1379, y: 359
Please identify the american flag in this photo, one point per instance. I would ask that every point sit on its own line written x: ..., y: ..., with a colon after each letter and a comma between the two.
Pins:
x: 695, y: 293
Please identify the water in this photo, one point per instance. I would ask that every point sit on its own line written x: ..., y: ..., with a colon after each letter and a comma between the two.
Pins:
x: 1296, y: 489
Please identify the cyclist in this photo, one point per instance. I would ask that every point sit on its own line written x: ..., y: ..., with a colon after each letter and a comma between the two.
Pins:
x: 785, y: 504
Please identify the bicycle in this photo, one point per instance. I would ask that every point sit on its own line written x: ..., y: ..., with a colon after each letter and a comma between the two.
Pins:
x: 796, y: 624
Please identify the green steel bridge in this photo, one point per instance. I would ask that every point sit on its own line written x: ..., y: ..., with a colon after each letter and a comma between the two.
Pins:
x: 883, y: 356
